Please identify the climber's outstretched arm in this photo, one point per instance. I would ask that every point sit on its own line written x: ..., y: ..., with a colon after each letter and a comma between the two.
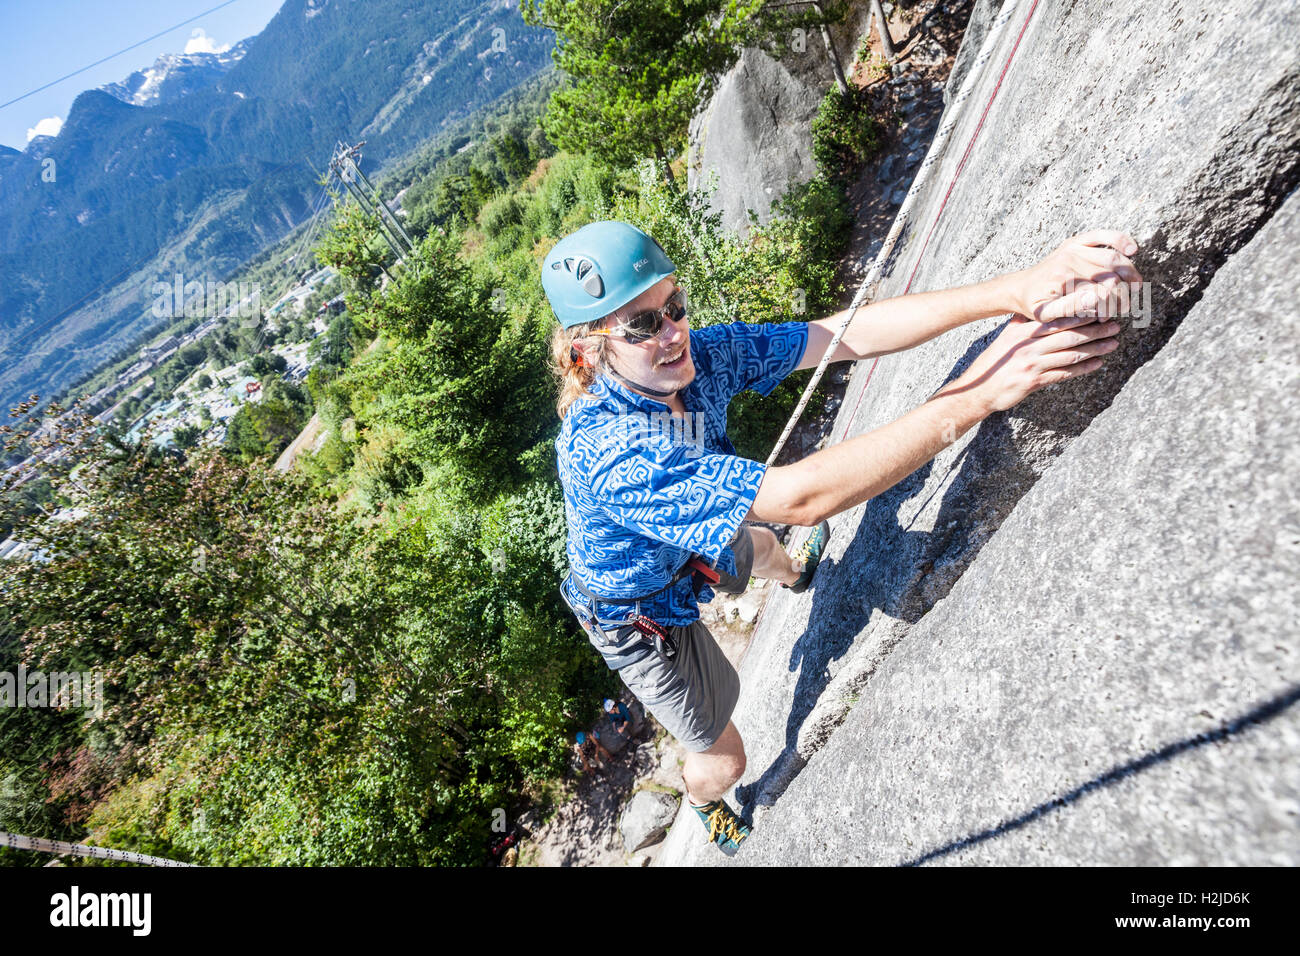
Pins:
x: 1025, y: 357
x: 1088, y: 275
x: 892, y: 325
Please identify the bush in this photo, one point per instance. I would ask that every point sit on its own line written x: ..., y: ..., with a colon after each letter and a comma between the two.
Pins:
x: 845, y: 134
x: 500, y: 214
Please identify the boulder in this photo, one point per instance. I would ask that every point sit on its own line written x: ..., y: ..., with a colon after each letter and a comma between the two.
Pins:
x: 647, y: 817
x: 668, y: 765
x: 749, y: 136
x: 752, y: 134
x: 747, y: 607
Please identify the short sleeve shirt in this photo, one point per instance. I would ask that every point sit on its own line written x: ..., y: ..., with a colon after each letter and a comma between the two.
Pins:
x: 644, y: 490
x: 620, y: 714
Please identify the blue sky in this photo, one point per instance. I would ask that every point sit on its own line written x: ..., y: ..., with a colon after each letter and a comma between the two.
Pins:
x: 42, y: 40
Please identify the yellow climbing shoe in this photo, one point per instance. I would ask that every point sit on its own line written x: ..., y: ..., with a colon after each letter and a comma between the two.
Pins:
x: 810, y: 553
x: 726, y: 829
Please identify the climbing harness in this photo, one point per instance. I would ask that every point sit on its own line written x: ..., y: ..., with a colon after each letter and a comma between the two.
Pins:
x: 928, y: 165
x: 623, y: 638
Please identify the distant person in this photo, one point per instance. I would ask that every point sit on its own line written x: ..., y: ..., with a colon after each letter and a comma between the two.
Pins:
x: 591, y: 750
x: 619, y: 716
x: 505, y: 848
x: 658, y: 503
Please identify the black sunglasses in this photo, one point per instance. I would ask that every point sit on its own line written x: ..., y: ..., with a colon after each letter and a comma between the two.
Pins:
x: 647, y: 325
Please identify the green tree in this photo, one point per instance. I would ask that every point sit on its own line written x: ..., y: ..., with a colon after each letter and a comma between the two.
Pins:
x: 354, y: 248
x: 242, y: 437
x: 191, y: 355
x: 639, y: 69
x: 467, y: 381
x: 187, y: 436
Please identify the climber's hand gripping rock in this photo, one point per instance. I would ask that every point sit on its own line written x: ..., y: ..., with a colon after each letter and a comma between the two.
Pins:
x: 1089, y: 275
x: 1028, y: 355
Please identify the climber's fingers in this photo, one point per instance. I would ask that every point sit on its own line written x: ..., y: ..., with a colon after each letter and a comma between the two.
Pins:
x: 1090, y: 261
x: 1094, y: 262
x: 1063, y: 358
x: 1027, y: 356
x: 1124, y: 297
x: 1078, y: 304
x: 1115, y: 238
x: 1104, y: 299
x: 1049, y: 325
x: 1047, y: 290
x: 1043, y: 286
x: 1085, y: 367
x: 1069, y: 338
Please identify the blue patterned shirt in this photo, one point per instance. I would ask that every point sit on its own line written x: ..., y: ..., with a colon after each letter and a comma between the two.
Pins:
x: 644, y: 490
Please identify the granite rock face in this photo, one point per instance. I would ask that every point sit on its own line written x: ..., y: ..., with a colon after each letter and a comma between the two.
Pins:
x: 981, y: 18
x: 754, y: 131
x: 1126, y: 642
x: 1092, y: 598
x: 756, y: 152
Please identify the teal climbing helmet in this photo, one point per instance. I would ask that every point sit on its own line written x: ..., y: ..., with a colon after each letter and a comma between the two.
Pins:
x: 600, y: 268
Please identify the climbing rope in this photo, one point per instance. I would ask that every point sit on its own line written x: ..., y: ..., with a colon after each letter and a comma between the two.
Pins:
x: 38, y: 845
x: 928, y: 165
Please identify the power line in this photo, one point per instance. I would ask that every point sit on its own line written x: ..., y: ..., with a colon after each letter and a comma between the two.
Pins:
x: 118, y: 53
x: 308, y: 234
x: 344, y: 165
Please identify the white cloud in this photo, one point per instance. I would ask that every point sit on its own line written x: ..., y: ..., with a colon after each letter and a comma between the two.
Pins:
x: 200, y: 42
x: 49, y: 126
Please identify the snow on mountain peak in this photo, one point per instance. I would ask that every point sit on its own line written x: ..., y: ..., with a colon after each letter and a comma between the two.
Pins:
x: 175, y: 74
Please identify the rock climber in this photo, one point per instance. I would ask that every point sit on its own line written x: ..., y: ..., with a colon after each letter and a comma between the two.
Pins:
x: 660, y: 507
x: 620, y: 718
x: 591, y: 751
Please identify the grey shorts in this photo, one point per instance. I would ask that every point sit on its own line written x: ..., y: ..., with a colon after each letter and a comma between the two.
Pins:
x: 694, y: 694
x: 742, y: 546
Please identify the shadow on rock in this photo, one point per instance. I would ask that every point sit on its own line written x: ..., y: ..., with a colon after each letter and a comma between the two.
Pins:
x: 1259, y: 714
x: 845, y: 594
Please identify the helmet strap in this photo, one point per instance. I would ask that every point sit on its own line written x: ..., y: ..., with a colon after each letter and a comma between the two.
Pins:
x: 639, y: 387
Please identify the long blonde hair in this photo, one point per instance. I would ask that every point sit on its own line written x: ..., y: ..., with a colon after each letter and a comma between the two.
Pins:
x: 576, y: 374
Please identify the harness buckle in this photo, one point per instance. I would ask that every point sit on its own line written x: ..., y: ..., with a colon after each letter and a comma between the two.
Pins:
x: 664, y: 643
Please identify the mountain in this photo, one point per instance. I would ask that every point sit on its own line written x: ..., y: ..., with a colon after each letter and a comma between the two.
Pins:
x: 218, y: 160
x: 174, y: 75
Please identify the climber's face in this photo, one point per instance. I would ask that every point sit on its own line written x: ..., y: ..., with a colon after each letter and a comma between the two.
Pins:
x: 662, y: 362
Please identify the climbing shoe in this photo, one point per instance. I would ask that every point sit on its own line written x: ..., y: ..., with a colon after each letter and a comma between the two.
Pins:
x: 726, y: 829
x: 810, y: 553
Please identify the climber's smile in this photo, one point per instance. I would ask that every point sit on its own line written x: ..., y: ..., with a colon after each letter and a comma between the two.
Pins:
x: 662, y: 363
x: 675, y: 362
